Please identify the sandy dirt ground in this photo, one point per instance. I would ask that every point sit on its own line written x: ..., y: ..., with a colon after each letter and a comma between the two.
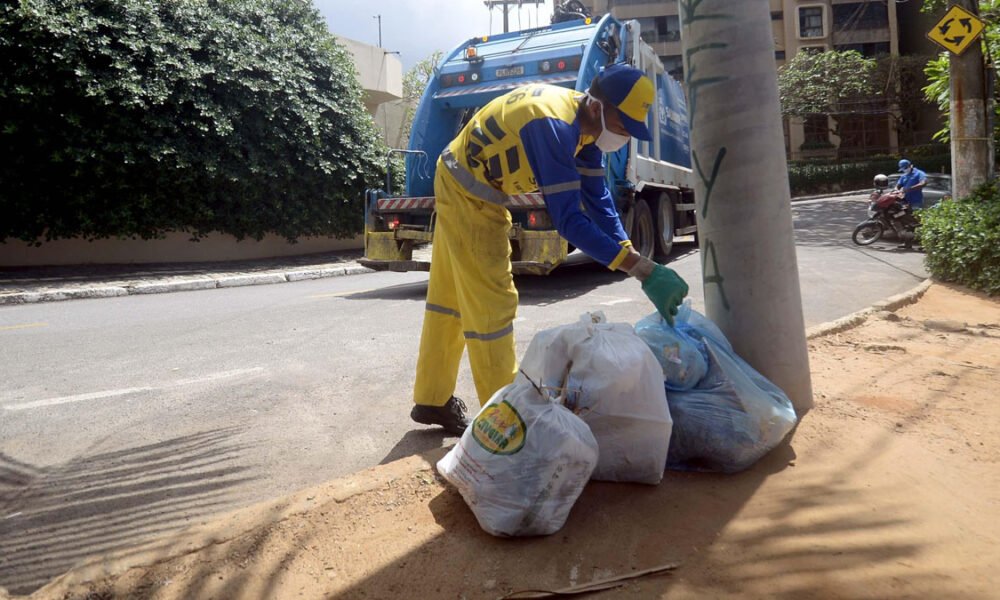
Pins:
x: 889, y: 488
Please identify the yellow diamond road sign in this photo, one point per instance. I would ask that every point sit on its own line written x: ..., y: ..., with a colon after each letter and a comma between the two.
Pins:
x: 956, y: 30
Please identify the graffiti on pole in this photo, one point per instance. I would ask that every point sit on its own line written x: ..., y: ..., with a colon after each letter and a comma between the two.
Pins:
x: 693, y: 11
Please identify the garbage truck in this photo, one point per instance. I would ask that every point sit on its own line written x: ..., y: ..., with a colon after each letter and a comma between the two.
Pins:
x: 650, y: 181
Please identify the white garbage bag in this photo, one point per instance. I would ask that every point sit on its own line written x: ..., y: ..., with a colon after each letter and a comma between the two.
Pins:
x: 522, y: 463
x: 608, y: 376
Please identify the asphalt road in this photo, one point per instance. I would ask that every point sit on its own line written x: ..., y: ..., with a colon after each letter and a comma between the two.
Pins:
x: 124, y: 417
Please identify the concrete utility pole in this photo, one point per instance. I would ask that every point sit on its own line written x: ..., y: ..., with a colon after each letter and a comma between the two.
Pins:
x: 971, y: 140
x: 749, y: 267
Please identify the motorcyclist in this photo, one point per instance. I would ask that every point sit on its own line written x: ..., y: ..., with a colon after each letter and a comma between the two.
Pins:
x: 911, y: 183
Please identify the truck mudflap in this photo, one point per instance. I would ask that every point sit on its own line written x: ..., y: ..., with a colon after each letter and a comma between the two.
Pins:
x: 393, y: 250
x: 532, y: 252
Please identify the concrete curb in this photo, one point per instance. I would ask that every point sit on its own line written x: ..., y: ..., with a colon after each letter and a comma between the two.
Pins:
x: 67, y: 294
x: 181, y: 285
x: 854, y: 319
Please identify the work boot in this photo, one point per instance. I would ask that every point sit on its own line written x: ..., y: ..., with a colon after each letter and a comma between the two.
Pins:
x: 451, y: 416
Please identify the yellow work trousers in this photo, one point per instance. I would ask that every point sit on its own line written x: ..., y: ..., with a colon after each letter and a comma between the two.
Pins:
x: 471, y: 298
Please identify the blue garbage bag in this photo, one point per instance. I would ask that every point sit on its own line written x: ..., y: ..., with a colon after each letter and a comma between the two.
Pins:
x: 732, y: 416
x: 682, y: 357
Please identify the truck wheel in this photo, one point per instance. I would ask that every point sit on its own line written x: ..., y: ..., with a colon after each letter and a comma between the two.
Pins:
x: 643, y: 232
x: 664, y: 225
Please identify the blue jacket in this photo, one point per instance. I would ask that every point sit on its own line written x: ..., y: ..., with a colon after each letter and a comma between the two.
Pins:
x: 915, y: 198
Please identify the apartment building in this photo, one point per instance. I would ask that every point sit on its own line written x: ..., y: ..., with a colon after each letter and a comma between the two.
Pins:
x: 870, y: 27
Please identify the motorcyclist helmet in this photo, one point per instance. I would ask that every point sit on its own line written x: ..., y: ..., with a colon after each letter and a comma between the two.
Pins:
x: 904, y: 165
x: 881, y: 181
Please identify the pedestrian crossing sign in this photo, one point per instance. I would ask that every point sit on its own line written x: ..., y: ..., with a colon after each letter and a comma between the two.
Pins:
x: 956, y: 30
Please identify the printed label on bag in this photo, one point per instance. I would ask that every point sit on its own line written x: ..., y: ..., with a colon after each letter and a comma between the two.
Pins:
x: 499, y: 429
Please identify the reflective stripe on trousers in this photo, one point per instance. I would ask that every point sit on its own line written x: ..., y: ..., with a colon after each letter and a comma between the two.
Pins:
x: 471, y: 299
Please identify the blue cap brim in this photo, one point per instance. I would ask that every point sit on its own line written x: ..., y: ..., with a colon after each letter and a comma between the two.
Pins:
x: 636, y: 129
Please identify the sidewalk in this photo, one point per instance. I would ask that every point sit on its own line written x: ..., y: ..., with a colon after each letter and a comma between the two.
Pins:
x: 23, y: 285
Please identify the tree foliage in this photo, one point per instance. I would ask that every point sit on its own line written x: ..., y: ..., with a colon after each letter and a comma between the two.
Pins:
x: 824, y: 83
x: 845, y: 85
x: 937, y: 73
x: 414, y: 83
x: 962, y: 239
x: 137, y: 117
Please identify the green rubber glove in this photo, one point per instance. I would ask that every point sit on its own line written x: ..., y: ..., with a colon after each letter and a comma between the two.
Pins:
x: 666, y: 290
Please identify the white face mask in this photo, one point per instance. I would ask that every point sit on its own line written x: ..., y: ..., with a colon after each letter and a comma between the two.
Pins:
x: 608, y: 141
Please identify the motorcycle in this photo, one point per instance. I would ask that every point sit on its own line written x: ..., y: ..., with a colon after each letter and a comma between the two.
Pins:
x: 887, y: 211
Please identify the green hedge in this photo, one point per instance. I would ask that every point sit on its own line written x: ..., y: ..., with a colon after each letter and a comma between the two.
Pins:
x: 818, y: 177
x: 962, y: 240
x: 137, y: 117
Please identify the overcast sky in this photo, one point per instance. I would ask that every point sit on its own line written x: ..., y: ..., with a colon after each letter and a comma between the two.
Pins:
x: 416, y: 28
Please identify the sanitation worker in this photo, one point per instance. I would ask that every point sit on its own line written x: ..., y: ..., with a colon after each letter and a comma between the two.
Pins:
x: 542, y: 137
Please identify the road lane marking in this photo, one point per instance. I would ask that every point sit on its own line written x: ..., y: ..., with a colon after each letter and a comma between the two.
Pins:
x: 76, y: 398
x: 22, y: 326
x: 135, y: 390
x: 217, y: 376
x: 618, y: 301
x: 339, y: 294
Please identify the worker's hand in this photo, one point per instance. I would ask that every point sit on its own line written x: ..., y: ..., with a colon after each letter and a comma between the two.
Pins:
x: 663, y: 286
x: 666, y: 290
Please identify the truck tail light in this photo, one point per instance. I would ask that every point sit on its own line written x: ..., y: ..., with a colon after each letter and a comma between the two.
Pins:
x: 392, y: 222
x: 554, y: 65
x: 539, y: 219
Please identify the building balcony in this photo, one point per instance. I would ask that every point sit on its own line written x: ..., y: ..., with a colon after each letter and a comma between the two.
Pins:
x: 379, y: 73
x: 862, y: 36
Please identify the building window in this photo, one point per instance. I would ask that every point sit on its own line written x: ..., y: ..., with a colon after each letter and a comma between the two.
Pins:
x: 673, y: 29
x: 864, y: 135
x: 674, y: 66
x: 660, y: 29
x: 779, y: 55
x: 811, y: 22
x: 777, y: 15
x: 868, y: 50
x: 860, y: 15
x: 813, y: 49
x: 816, y: 129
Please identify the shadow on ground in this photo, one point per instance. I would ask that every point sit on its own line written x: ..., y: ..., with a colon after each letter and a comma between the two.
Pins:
x: 831, y: 223
x: 616, y: 529
x: 416, y: 441
x: 53, y: 517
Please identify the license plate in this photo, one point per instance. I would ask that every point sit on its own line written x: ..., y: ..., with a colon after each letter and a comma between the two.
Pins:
x: 510, y: 72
